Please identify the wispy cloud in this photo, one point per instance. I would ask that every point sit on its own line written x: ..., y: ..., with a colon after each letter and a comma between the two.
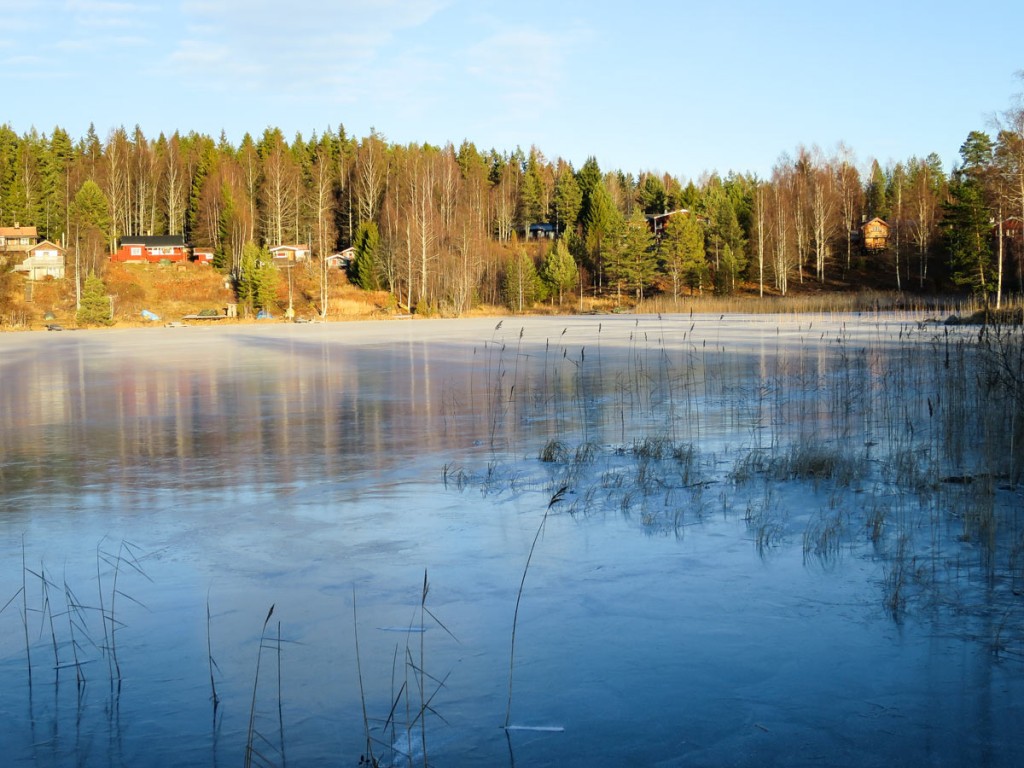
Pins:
x: 519, y: 63
x: 112, y: 14
x: 312, y: 53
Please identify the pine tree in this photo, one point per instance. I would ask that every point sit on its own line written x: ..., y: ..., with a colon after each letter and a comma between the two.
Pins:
x: 966, y: 223
x: 632, y: 262
x: 651, y: 195
x: 682, y: 249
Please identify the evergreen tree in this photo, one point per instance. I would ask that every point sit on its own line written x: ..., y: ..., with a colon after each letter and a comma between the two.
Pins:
x: 967, y: 216
x: 529, y: 208
x: 568, y: 200
x: 727, y: 243
x: 875, y: 193
x: 520, y: 281
x: 256, y: 284
x: 57, y: 160
x: 267, y: 278
x: 976, y: 153
x: 966, y: 229
x: 202, y: 160
x: 651, y: 195
x: 95, y: 305
x: 8, y: 173
x: 632, y: 262
x: 364, y: 265
x: 682, y: 250
x: 90, y: 222
x: 558, y: 272
x: 602, y: 218
x: 589, y: 179
x: 221, y: 255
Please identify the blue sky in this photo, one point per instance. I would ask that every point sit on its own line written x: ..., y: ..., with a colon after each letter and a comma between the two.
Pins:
x: 680, y: 87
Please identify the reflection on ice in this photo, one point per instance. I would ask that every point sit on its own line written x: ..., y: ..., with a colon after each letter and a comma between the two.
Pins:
x: 784, y: 540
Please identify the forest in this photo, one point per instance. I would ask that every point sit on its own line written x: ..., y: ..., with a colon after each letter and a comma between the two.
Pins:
x: 446, y: 228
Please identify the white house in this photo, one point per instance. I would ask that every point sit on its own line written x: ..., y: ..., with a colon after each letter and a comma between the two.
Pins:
x: 289, y: 253
x: 342, y: 259
x: 45, y: 259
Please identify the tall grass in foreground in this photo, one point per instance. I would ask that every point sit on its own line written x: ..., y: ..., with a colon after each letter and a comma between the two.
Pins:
x: 826, y: 303
x: 417, y: 689
x: 555, y: 499
x: 257, y: 744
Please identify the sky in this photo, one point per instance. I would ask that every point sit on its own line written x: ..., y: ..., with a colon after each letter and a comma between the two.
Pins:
x: 674, y: 86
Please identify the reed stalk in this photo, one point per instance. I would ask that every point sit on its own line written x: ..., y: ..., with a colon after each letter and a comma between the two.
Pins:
x: 251, y: 733
x: 558, y: 496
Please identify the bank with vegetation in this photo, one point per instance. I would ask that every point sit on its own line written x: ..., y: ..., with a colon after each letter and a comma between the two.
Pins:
x: 456, y: 229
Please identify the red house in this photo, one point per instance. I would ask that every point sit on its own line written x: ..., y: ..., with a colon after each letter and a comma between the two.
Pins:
x: 151, y: 249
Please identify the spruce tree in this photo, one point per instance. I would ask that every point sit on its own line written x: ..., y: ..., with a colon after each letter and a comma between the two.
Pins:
x: 95, y: 306
x: 256, y: 284
x: 558, y: 272
x: 364, y: 265
x: 568, y: 201
x: 520, y: 282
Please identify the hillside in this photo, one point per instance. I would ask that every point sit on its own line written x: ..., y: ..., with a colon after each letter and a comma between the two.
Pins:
x: 173, y: 292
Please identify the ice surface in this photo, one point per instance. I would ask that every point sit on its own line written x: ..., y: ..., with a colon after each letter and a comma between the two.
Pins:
x: 685, y: 605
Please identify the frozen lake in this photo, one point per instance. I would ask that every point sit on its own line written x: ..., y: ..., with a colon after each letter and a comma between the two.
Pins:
x: 772, y: 548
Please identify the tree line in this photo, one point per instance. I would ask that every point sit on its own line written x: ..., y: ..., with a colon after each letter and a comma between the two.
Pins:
x: 445, y: 227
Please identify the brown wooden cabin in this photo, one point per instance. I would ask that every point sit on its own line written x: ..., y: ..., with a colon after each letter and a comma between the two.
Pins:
x: 874, y: 235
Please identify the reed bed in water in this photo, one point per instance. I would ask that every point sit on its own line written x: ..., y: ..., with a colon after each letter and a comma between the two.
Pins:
x: 904, y: 447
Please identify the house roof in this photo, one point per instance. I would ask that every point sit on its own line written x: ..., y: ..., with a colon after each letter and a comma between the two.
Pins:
x: 153, y: 241
x: 45, y: 244
x: 877, y: 219
x: 302, y: 247
x: 19, y: 232
x: 665, y: 215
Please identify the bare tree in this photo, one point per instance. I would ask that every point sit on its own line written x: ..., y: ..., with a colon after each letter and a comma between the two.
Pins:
x: 823, y: 209
x: 760, y: 232
x: 173, y: 189
x: 118, y: 188
x: 324, y: 175
x: 279, y: 192
x: 851, y: 194
x: 371, y: 176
